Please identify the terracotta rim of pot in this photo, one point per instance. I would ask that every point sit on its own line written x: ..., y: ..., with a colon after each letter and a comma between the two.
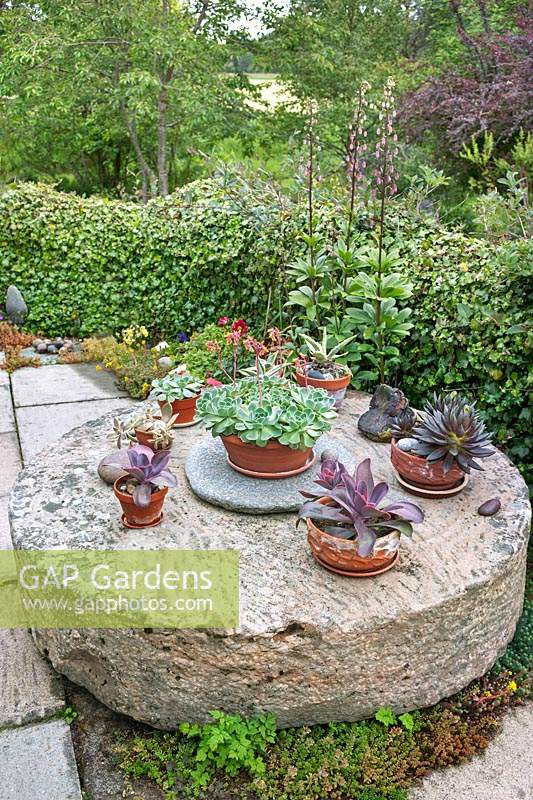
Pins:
x: 330, y: 384
x: 362, y: 574
x: 141, y: 516
x: 145, y: 438
x: 343, y: 558
x: 419, y: 472
x: 185, y: 409
x: 431, y: 494
x: 274, y: 461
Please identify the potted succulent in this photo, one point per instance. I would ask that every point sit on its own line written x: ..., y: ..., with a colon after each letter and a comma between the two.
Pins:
x: 347, y: 530
x: 267, y: 424
x: 177, y: 392
x: 147, y: 429
x: 321, y: 368
x: 142, y: 489
x: 434, y: 454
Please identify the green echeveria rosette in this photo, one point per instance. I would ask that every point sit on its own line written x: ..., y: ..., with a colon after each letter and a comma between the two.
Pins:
x: 293, y: 415
x: 174, y: 386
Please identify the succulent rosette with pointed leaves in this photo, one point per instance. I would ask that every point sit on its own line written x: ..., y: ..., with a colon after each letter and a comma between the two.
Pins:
x: 451, y: 430
x: 354, y: 511
x: 148, y: 469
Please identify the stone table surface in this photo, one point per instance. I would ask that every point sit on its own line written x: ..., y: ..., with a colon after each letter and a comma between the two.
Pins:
x: 311, y: 646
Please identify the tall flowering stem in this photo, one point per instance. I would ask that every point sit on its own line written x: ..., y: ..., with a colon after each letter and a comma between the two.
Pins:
x: 260, y: 351
x: 312, y: 167
x: 312, y: 176
x: 385, y: 176
x: 214, y: 347
x: 356, y: 150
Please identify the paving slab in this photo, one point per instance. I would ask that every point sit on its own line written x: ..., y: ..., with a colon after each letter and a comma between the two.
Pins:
x: 7, y: 418
x: 5, y: 533
x: 9, y: 461
x: 42, y: 425
x: 503, y: 772
x: 62, y: 383
x: 30, y: 689
x: 37, y: 763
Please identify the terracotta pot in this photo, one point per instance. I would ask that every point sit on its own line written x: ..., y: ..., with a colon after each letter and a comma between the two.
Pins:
x: 421, y: 472
x: 136, y: 516
x: 341, y: 554
x: 145, y: 438
x: 185, y: 409
x: 275, y: 460
x: 333, y: 385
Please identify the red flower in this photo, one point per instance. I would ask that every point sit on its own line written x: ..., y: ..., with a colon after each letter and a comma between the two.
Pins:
x: 213, y: 382
x: 223, y: 321
x: 233, y: 337
x: 213, y: 347
x: 240, y: 326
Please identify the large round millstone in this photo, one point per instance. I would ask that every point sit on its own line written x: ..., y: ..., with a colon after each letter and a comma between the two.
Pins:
x: 212, y: 479
x: 312, y: 646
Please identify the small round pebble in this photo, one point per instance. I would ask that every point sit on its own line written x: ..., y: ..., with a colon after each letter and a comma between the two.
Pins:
x: 407, y: 444
x: 490, y: 507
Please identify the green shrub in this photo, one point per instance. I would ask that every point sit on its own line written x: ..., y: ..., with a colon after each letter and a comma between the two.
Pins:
x: 201, y: 361
x: 89, y: 265
x: 472, y: 328
x: 230, y: 743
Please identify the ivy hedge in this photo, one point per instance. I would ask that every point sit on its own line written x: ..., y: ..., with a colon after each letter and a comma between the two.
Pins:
x: 472, y: 327
x: 89, y: 265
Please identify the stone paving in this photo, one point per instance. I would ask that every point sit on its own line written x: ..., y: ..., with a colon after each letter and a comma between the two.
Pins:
x: 503, y: 772
x: 36, y: 754
x: 37, y: 406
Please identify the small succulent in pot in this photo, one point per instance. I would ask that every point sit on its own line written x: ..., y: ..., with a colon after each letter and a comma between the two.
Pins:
x: 177, y: 391
x: 146, y: 429
x: 268, y: 426
x: 324, y: 360
x: 348, y: 528
x: 443, y: 444
x: 141, y: 491
x: 155, y: 431
x: 175, y: 385
x: 321, y: 367
x: 149, y: 429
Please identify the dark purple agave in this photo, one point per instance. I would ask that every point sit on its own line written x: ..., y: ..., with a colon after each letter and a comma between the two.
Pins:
x: 355, y: 512
x: 148, y: 469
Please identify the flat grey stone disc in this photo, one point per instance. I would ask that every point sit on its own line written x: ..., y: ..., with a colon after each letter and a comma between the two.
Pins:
x: 212, y: 479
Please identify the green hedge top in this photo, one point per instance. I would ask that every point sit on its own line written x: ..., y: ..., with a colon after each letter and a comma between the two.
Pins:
x: 87, y: 265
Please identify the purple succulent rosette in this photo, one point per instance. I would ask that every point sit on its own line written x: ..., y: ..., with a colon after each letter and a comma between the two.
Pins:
x: 354, y: 511
x: 148, y: 468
